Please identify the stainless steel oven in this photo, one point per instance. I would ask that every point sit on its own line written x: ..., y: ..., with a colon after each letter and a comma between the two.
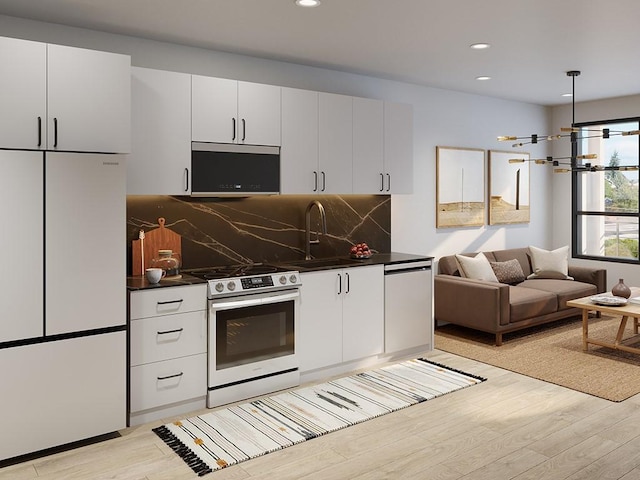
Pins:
x: 253, y: 324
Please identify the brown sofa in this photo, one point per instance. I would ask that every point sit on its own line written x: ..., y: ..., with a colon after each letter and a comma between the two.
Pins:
x: 500, y: 308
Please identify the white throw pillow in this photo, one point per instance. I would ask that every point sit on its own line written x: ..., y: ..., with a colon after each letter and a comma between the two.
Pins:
x: 477, y: 267
x: 550, y: 264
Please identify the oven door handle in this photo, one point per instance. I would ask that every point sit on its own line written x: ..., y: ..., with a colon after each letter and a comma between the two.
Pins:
x: 250, y: 302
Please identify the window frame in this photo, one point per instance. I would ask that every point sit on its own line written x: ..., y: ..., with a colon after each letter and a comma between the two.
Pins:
x: 576, y: 200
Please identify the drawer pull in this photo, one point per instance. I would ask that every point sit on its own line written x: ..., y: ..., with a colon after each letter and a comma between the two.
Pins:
x: 166, y: 332
x: 171, y: 376
x: 170, y: 301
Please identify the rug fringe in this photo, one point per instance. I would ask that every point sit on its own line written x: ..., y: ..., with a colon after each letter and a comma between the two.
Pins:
x: 477, y: 377
x: 184, y: 452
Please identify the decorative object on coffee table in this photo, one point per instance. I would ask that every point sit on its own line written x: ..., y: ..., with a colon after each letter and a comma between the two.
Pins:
x: 621, y: 290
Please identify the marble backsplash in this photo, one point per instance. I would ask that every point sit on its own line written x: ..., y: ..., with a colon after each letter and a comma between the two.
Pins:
x: 227, y: 231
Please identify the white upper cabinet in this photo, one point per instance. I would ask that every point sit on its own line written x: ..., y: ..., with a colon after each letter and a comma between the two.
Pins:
x: 64, y: 98
x: 299, y: 153
x: 89, y: 100
x: 160, y: 159
x: 259, y: 114
x: 368, y: 146
x: 23, y: 94
x: 335, y: 143
x: 398, y: 148
x: 228, y: 111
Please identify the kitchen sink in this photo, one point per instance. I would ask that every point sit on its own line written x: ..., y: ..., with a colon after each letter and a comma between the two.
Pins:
x: 322, y: 262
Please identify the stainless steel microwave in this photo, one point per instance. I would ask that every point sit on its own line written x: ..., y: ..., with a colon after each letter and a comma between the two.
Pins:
x: 222, y: 169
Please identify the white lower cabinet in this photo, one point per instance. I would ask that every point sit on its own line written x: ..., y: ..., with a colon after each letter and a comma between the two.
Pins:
x: 168, y: 352
x: 62, y: 391
x: 341, y: 316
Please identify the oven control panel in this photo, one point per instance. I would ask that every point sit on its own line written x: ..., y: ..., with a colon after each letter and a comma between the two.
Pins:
x: 253, y: 283
x: 256, y: 282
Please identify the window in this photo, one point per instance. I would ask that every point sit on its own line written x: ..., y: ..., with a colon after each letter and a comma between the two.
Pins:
x: 605, y: 203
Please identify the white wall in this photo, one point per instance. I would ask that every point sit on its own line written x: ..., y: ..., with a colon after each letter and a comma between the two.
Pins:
x: 614, y: 108
x: 441, y: 117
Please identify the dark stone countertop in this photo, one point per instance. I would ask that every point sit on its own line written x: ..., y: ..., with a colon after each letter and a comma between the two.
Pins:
x: 140, y: 283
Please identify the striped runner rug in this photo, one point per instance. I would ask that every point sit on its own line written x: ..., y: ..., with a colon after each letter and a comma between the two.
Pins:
x: 230, y: 435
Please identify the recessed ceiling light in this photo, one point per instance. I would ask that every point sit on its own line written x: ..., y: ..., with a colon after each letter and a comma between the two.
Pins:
x: 307, y: 3
x: 567, y: 94
x: 479, y: 46
x: 483, y: 77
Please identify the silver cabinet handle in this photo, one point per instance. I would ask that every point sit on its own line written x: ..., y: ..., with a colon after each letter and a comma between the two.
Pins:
x: 348, y: 283
x: 382, y: 182
x: 324, y: 182
x: 315, y: 181
x: 388, y: 182
x: 339, y: 284
x: 244, y: 130
x: 39, y: 131
x: 186, y: 179
x: 233, y: 127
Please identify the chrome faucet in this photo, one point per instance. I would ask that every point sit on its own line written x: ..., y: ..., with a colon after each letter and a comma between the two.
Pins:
x: 323, y: 219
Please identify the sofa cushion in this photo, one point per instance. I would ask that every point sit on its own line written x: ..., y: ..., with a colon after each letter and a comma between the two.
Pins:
x: 477, y: 267
x: 529, y: 302
x: 508, y: 272
x: 550, y: 264
x: 520, y: 254
x: 565, y: 290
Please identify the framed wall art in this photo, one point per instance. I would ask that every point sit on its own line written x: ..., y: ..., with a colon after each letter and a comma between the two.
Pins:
x: 460, y: 193
x: 509, y: 197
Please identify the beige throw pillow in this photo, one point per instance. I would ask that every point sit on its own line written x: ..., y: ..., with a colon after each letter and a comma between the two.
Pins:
x: 550, y: 263
x: 477, y: 267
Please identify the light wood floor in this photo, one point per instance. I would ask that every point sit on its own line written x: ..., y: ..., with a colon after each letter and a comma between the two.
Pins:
x: 510, y: 427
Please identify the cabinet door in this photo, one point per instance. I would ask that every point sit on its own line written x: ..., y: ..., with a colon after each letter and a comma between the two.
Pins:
x: 21, y: 244
x: 335, y: 143
x: 85, y: 264
x: 214, y: 109
x: 319, y: 341
x: 398, y: 148
x: 408, y: 310
x: 258, y: 114
x: 299, y: 152
x: 368, y: 148
x: 23, y: 90
x: 363, y: 312
x: 89, y: 100
x: 67, y: 390
x: 160, y: 158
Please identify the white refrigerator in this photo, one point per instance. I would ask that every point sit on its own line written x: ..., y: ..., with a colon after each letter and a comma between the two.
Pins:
x: 62, y: 297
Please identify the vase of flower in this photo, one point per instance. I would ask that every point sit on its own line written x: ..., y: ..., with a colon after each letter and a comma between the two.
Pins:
x: 621, y: 290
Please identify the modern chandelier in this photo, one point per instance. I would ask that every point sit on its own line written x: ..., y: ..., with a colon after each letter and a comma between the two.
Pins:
x: 575, y: 162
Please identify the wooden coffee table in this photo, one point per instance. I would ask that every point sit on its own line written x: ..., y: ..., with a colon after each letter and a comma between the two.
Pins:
x: 625, y: 311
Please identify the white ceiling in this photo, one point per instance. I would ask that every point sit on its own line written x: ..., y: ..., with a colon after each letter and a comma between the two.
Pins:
x: 533, y: 42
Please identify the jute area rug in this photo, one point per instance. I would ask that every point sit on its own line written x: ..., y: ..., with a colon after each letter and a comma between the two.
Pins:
x: 553, y: 353
x: 237, y: 433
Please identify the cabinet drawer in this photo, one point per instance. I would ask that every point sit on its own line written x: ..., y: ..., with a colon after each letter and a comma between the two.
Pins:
x: 171, y: 381
x: 167, y: 301
x: 169, y: 336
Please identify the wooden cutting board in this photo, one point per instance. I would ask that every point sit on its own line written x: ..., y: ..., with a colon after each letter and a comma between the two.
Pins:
x: 157, y: 239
